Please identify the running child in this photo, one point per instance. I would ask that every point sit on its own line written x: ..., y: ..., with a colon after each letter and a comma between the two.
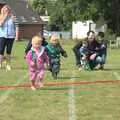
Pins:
x: 54, y: 51
x: 36, y: 58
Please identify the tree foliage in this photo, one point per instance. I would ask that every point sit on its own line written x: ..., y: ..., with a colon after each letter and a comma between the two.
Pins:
x: 63, y: 12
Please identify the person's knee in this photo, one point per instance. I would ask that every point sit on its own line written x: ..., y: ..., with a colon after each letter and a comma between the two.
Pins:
x: 104, y: 58
x: 99, y: 60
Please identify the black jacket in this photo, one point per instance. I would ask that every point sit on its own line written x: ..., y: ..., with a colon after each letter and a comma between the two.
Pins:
x: 28, y: 47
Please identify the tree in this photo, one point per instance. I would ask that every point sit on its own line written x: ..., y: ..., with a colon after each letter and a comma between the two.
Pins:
x: 39, y: 5
x: 67, y: 11
x: 63, y: 12
x: 110, y: 11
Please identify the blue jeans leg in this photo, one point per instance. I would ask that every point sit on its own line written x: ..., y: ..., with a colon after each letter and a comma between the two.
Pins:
x: 99, y: 60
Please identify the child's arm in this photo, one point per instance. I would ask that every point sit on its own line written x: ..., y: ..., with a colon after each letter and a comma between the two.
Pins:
x: 46, y: 58
x: 29, y: 59
x: 81, y: 51
x: 62, y: 51
x: 101, y: 48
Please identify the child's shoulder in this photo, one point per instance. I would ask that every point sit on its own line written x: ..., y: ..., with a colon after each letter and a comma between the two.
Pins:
x: 49, y: 45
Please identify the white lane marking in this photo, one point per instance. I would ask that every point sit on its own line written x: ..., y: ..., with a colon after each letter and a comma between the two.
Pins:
x: 71, y: 101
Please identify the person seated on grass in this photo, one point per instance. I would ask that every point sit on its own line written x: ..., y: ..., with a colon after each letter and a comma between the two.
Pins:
x: 36, y: 58
x: 84, y: 56
x: 102, y: 48
x: 29, y: 45
x: 94, y: 58
x: 54, y: 51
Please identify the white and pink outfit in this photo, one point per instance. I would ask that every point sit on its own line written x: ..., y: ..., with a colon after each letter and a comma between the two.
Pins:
x: 36, y: 60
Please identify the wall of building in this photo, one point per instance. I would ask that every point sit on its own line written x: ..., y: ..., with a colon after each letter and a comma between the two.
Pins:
x: 27, y: 31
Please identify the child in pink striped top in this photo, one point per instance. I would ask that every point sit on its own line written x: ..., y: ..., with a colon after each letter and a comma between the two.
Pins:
x: 36, y: 59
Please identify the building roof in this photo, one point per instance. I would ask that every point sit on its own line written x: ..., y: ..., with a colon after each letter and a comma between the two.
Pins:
x: 24, y: 13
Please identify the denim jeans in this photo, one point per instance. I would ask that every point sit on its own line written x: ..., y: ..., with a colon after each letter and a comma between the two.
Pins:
x: 100, y: 60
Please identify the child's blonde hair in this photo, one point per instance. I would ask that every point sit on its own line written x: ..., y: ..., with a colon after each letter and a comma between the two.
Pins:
x: 36, y: 38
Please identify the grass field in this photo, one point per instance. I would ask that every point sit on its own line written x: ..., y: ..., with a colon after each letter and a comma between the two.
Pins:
x: 98, y: 101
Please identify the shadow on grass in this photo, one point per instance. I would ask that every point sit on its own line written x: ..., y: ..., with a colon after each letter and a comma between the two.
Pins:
x: 68, y: 77
x: 56, y: 88
x: 19, y: 68
x: 108, y: 69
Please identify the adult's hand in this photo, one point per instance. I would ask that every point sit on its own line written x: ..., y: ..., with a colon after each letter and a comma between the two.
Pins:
x: 93, y: 56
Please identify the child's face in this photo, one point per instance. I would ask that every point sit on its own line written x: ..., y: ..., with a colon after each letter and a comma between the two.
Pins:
x: 54, y: 41
x: 100, y: 39
x: 36, y: 44
x: 85, y: 45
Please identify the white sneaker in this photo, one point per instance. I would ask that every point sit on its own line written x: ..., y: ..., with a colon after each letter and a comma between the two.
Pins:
x: 8, y: 67
x: 41, y: 85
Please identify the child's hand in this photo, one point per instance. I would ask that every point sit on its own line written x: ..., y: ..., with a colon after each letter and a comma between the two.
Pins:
x: 96, y: 48
x: 25, y: 56
x: 103, y: 46
x: 84, y: 57
x: 48, y: 66
x: 65, y: 55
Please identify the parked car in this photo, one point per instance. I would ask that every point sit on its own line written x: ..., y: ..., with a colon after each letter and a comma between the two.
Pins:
x: 46, y: 34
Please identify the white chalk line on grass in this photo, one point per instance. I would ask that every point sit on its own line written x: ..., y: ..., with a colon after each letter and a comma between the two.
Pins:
x: 116, y: 75
x: 71, y: 100
x: 7, y: 93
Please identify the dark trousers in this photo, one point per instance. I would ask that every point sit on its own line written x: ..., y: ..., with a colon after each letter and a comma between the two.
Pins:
x: 54, y: 65
x: 6, y: 43
x: 77, y: 57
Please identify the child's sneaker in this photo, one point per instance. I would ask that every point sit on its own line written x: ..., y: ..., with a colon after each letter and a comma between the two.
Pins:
x: 8, y: 67
x: 33, y: 88
x: 54, y: 74
x: 41, y: 85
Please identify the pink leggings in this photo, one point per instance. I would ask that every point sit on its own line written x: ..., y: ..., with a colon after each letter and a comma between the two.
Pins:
x: 39, y: 74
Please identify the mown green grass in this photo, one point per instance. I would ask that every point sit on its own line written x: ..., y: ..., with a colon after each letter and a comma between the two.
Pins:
x: 92, y: 101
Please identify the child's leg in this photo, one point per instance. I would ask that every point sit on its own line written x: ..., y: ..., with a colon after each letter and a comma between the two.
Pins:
x: 56, y: 69
x: 33, y: 76
x: 40, y: 78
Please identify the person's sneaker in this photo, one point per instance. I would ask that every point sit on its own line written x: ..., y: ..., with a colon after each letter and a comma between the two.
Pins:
x: 80, y: 68
x: 33, y: 88
x: 101, y: 67
x: 8, y: 67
